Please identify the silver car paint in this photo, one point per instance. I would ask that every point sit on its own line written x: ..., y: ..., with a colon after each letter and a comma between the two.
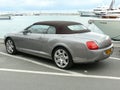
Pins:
x: 43, y: 44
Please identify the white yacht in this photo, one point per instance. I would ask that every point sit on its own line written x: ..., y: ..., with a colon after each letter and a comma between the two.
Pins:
x: 109, y: 26
x: 5, y: 17
x: 100, y: 10
x: 107, y: 10
x: 103, y: 11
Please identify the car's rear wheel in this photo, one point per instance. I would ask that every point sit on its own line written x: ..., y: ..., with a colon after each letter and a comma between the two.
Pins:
x: 62, y: 58
x: 10, y: 46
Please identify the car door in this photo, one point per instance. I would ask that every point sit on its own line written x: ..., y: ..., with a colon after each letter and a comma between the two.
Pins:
x: 47, y: 38
x: 31, y: 38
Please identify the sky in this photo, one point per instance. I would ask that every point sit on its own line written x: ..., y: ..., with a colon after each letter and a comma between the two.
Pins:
x: 32, y: 5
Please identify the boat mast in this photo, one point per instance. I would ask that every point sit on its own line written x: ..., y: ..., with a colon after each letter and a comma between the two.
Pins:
x: 111, y: 5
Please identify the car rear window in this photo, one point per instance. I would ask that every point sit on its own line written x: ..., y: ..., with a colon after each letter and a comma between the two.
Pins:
x: 77, y: 27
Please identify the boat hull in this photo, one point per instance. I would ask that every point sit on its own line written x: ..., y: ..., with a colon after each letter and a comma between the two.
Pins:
x: 5, y: 17
x: 110, y: 27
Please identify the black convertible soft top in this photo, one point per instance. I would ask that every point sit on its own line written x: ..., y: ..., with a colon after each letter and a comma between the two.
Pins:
x: 57, y: 23
x: 62, y: 26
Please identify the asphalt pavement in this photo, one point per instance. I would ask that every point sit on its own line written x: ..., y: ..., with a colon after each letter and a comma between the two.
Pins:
x: 27, y: 72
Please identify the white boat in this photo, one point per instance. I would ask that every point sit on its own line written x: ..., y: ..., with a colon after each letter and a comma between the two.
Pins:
x: 5, y: 17
x: 110, y: 27
x: 87, y: 14
x: 106, y: 10
x: 102, y: 11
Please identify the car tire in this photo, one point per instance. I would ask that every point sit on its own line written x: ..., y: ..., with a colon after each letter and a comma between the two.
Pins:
x: 62, y: 58
x: 10, y: 46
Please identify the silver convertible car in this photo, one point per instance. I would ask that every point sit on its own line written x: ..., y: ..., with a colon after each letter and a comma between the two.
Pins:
x: 64, y: 42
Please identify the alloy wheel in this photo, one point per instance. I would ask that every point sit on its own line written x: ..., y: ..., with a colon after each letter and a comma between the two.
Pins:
x: 62, y: 58
x: 10, y: 47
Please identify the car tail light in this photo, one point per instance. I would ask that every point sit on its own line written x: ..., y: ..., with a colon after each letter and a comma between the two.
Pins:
x: 92, y: 45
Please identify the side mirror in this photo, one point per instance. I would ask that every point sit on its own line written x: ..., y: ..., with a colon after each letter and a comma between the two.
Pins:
x: 25, y: 32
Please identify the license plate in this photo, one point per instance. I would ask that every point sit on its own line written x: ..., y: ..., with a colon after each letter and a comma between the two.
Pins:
x: 108, y: 52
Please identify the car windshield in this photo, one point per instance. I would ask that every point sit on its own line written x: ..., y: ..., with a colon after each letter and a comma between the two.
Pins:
x: 77, y: 27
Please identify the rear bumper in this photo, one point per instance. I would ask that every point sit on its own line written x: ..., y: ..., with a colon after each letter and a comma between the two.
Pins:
x: 94, y: 55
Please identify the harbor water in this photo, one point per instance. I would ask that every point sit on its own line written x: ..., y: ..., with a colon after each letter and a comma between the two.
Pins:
x: 19, y: 23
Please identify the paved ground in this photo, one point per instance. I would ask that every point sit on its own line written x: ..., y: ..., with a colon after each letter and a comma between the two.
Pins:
x: 26, y: 72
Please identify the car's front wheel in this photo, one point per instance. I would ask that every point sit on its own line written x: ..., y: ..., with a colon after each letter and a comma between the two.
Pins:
x: 10, y: 46
x: 62, y: 58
